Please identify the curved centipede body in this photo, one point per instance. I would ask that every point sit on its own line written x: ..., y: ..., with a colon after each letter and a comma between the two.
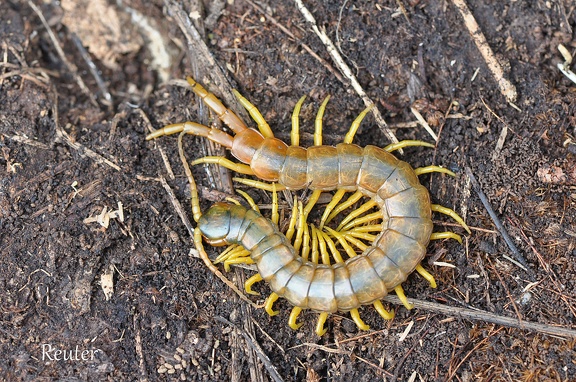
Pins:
x: 391, y: 184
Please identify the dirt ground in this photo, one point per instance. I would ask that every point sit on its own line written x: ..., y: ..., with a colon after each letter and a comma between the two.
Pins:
x: 83, y: 203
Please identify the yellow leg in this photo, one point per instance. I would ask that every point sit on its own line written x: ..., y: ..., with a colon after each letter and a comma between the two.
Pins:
x: 320, y: 330
x: 407, y: 143
x: 342, y: 240
x: 238, y: 260
x: 312, y: 202
x: 249, y: 200
x: 228, y: 252
x: 251, y: 281
x: 356, y: 124
x: 318, y: 122
x: 295, y: 133
x: 221, y: 161
x: 428, y: 169
x: 386, y: 314
x: 402, y: 296
x: 292, y: 223
x: 351, y: 200
x: 358, y: 243
x: 293, y: 317
x: 446, y: 235
x: 356, y: 317
x: 300, y: 230
x: 357, y: 212
x: 427, y: 275
x: 451, y: 213
x: 258, y: 184
x: 335, y: 200
x: 361, y: 220
x: 322, y: 246
x: 332, y: 247
x: 367, y: 228
x: 269, y: 303
x: 306, y: 241
x: 314, y: 244
x: 255, y: 114
x: 275, y: 216
x: 361, y: 235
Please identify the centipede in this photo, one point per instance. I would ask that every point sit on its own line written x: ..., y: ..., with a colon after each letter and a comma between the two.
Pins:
x: 402, y: 205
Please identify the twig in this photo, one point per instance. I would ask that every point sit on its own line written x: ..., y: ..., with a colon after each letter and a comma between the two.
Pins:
x: 497, y: 222
x: 254, y: 345
x: 93, y: 70
x: 139, y: 352
x: 479, y: 315
x: 178, y: 207
x: 507, y: 89
x: 71, y: 67
x: 345, y: 69
x: 62, y: 136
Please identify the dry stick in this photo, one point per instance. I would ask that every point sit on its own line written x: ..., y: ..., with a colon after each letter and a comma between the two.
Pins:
x: 345, y: 69
x: 256, y: 347
x: 71, y: 67
x: 93, y: 70
x: 479, y: 315
x: 507, y: 89
x: 62, y: 136
x: 497, y: 223
x: 179, y: 209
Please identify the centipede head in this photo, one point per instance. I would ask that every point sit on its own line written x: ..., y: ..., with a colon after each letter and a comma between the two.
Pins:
x: 215, y: 224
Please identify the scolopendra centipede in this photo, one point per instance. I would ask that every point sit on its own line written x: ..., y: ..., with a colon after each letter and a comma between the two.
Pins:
x: 392, y: 185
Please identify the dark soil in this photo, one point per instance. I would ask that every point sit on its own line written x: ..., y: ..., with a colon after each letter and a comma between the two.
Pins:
x: 68, y: 155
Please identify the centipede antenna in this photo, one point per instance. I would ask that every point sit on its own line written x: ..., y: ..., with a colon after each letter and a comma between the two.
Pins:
x: 295, y: 133
x: 386, y: 314
x: 194, y: 199
x: 451, y: 213
x: 268, y: 305
x: 336, y: 198
x: 320, y: 330
x: 356, y: 124
x: 357, y: 320
x: 427, y: 275
x: 224, y: 162
x: 407, y: 143
x: 357, y: 212
x: 216, y: 271
x: 428, y: 169
x: 251, y: 281
x: 263, y: 126
x: 293, y: 317
x: 446, y: 235
x: 402, y: 296
x: 318, y: 122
